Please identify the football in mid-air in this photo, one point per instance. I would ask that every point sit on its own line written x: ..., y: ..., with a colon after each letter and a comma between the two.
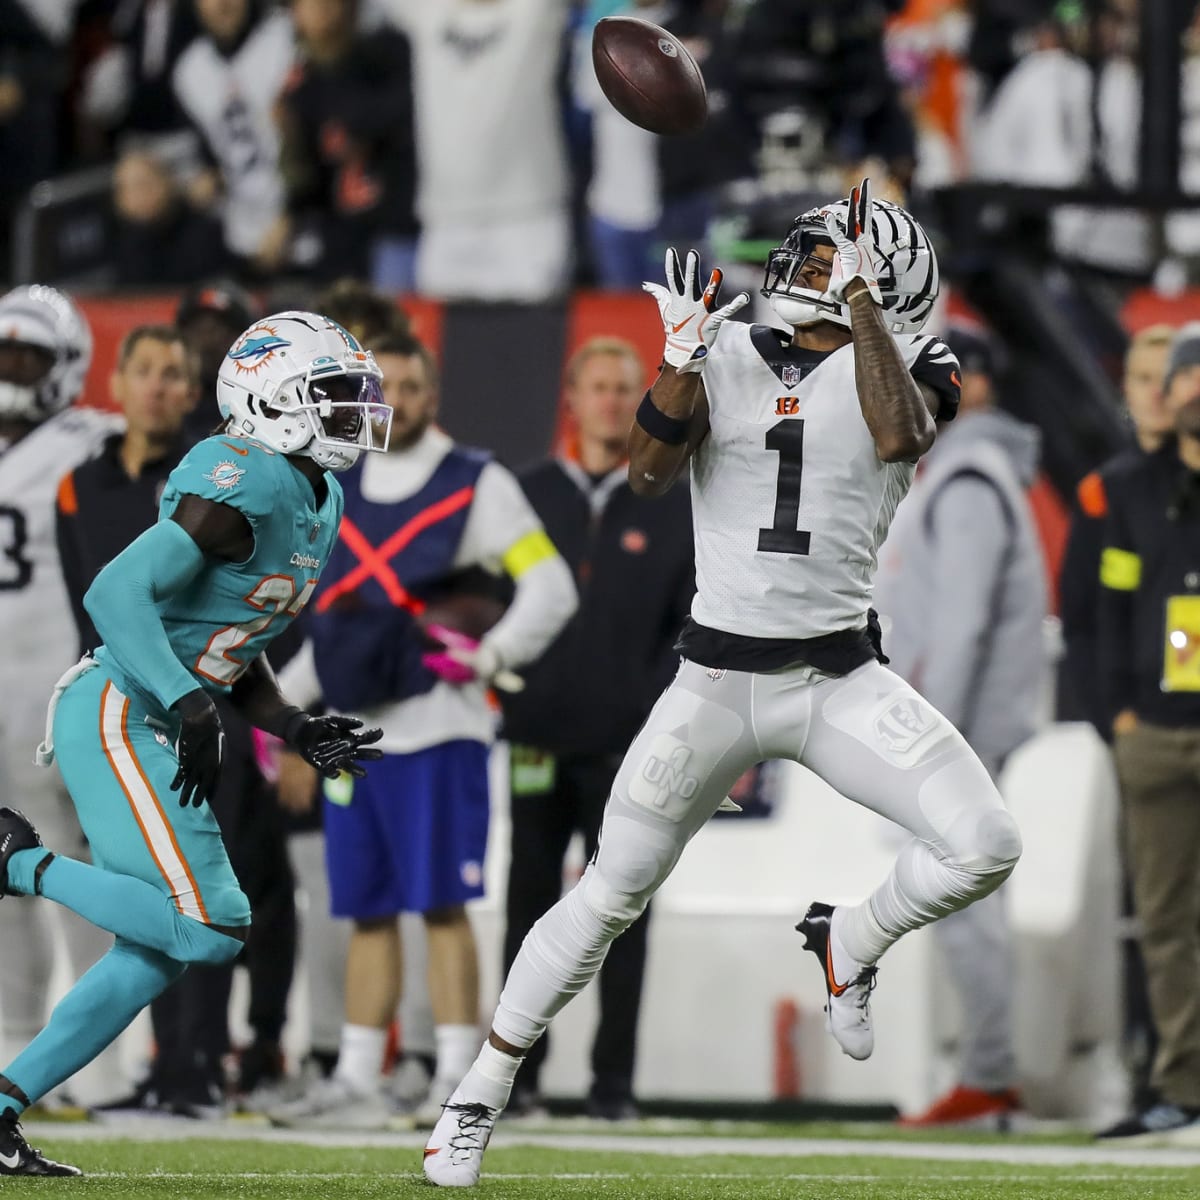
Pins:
x: 648, y: 75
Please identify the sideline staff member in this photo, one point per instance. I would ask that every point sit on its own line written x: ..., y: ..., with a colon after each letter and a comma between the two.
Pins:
x: 1149, y: 664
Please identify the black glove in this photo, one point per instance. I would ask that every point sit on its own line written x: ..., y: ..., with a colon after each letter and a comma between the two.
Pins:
x: 332, y: 744
x: 875, y: 636
x: 200, y: 748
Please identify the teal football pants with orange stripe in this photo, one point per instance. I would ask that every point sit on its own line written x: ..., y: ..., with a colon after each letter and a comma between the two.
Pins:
x: 118, y: 769
x: 161, y: 882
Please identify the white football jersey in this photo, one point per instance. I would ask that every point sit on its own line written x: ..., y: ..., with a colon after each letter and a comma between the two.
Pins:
x: 36, y: 626
x: 790, y: 501
x: 232, y: 102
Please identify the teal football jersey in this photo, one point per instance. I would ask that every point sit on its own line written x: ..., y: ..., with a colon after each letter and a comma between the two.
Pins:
x: 233, y: 611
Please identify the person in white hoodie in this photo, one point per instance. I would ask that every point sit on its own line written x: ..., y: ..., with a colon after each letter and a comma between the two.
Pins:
x: 962, y: 593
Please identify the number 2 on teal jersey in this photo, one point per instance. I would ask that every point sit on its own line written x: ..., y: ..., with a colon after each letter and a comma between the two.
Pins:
x: 273, y: 595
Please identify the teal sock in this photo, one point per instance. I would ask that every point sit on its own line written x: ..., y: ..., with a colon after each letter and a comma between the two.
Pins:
x: 128, y: 907
x: 90, y: 1016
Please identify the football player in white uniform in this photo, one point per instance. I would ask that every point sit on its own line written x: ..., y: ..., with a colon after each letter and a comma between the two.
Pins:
x: 45, y: 350
x: 801, y: 448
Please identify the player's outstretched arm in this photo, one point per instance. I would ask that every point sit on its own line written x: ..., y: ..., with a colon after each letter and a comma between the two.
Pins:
x: 330, y: 744
x: 658, y: 451
x: 673, y: 418
x: 898, y: 412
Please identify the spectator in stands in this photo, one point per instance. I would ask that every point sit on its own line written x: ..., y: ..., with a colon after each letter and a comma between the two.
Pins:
x: 493, y: 188
x: 160, y: 239
x: 127, y: 88
x: 32, y: 76
x: 102, y: 506
x: 961, y: 580
x: 366, y: 312
x: 348, y: 152
x: 590, y: 692
x: 647, y: 192
x: 228, y: 82
x: 411, y: 836
x: 1149, y: 669
x: 1079, y: 694
x: 827, y: 56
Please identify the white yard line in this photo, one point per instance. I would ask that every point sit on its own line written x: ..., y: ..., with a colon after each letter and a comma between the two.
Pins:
x: 676, y: 1146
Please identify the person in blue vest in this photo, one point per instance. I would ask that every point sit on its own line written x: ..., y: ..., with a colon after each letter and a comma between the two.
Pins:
x: 246, y: 522
x: 432, y: 530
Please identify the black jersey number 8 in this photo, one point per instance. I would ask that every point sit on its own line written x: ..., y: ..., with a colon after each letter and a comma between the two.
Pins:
x: 787, y: 439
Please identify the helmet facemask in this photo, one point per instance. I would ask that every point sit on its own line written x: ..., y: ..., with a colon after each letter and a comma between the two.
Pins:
x: 904, y: 262
x: 300, y: 384
x: 24, y: 369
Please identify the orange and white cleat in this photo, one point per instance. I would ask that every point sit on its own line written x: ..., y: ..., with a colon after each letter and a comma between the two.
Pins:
x: 967, y: 1106
x: 848, y: 1002
x: 454, y: 1152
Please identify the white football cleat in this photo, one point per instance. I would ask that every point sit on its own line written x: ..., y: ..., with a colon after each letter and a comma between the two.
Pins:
x: 334, y: 1104
x: 847, y: 1006
x: 454, y: 1152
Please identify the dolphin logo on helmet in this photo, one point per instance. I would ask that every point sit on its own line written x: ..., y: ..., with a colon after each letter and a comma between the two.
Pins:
x: 294, y: 382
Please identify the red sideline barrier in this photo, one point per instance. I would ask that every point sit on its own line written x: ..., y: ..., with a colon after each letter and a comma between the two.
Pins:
x: 112, y: 317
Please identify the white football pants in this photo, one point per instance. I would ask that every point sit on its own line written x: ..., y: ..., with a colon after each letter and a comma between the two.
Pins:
x: 867, y: 734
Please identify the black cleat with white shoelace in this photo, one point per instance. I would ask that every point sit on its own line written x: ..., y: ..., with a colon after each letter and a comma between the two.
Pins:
x: 454, y: 1152
x: 18, y: 1157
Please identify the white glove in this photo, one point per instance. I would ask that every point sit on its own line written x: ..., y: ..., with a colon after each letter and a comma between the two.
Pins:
x: 688, y: 317
x: 856, y: 249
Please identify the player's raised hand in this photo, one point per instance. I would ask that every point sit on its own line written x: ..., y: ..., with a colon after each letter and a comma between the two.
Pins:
x: 201, y: 747
x: 856, y: 248
x: 333, y: 744
x: 690, y: 317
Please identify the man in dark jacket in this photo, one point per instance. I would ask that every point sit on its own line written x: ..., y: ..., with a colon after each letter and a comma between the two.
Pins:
x: 586, y: 697
x: 1149, y: 670
x: 349, y: 157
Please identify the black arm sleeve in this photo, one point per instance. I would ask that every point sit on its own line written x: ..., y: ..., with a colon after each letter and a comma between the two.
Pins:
x: 937, y: 368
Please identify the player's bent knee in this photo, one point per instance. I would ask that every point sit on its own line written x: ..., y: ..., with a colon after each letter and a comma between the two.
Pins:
x: 999, y: 843
x: 613, y: 902
x: 199, y: 943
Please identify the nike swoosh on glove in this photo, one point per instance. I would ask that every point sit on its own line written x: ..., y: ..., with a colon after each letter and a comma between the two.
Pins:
x: 856, y: 248
x: 200, y: 748
x: 691, y: 319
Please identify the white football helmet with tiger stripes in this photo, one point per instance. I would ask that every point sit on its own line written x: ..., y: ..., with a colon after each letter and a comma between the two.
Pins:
x: 41, y: 323
x: 905, y: 265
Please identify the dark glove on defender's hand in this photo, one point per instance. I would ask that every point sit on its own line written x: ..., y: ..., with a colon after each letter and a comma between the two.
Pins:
x: 200, y: 748
x: 332, y: 744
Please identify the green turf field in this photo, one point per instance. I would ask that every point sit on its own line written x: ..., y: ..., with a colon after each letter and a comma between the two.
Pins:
x: 197, y: 1169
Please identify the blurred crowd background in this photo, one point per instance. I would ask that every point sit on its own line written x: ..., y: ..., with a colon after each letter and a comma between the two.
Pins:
x: 456, y: 158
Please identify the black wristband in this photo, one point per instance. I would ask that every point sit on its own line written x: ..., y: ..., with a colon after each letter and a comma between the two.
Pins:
x: 289, y: 723
x: 671, y: 430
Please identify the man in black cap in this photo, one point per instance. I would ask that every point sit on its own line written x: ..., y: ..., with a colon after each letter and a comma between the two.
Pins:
x: 210, y: 316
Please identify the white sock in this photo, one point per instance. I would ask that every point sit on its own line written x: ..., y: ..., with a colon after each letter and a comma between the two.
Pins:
x: 490, y: 1079
x: 455, y: 1051
x: 360, y: 1057
x: 850, y: 923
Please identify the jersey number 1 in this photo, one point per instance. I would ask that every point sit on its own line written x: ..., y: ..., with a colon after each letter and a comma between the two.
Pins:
x: 787, y: 439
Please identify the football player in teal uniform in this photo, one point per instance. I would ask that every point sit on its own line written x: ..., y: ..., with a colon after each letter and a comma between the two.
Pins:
x: 246, y: 524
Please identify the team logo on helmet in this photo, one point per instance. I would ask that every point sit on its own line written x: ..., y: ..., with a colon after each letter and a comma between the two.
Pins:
x: 225, y: 475
x: 256, y: 348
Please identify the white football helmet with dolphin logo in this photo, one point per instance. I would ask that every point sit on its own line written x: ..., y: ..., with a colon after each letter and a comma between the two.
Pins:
x: 301, y: 384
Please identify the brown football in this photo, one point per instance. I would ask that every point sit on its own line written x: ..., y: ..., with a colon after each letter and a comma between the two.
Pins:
x: 464, y: 613
x: 648, y: 75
